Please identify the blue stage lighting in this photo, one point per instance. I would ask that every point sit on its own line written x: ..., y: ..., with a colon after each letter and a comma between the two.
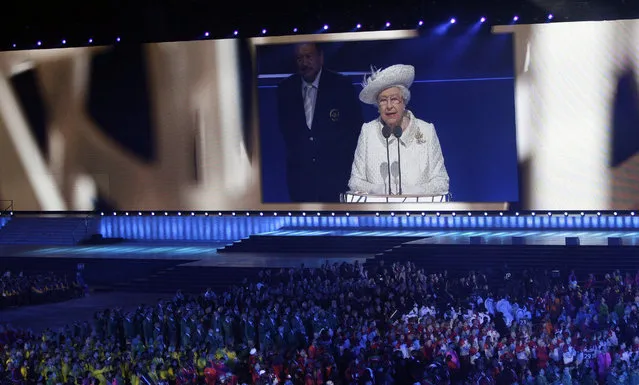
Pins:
x: 264, y: 31
x: 420, y: 23
x: 453, y: 21
x: 206, y: 34
x: 516, y: 18
x: 388, y: 24
x: 358, y: 26
x: 294, y: 30
x: 482, y: 20
x: 236, y: 32
x: 325, y: 27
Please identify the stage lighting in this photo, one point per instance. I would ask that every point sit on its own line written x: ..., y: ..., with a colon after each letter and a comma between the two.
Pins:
x: 261, y: 214
x: 598, y: 214
x: 235, y: 33
x: 408, y: 214
x: 376, y: 214
x: 549, y: 214
x: 117, y: 39
x: 294, y: 30
x: 388, y: 24
x: 454, y: 214
x: 101, y: 214
x: 303, y: 214
x: 192, y: 214
x: 501, y: 214
x: 127, y: 214
x: 206, y: 214
x: 485, y: 214
x: 550, y: 17
x: 248, y: 214
x: 453, y: 21
x: 264, y: 31
x: 423, y: 214
x: 64, y: 41
x: 140, y: 214
x: 114, y: 213
x: 152, y: 214
x: 219, y: 214
x: 516, y: 18
x: 274, y: 214
x: 233, y: 214
x: 392, y: 214
x: 348, y: 214
x: 90, y: 41
x: 438, y: 214
x: 582, y: 214
x: 517, y: 214
x: 180, y: 214
x: 325, y: 27
x: 206, y: 34
x: 319, y: 214
x: 533, y: 213
x: 420, y: 23
x: 289, y: 214
x: 632, y: 213
x: 39, y: 43
x: 482, y: 20
x: 332, y: 214
x: 615, y: 213
x: 14, y: 45
x: 358, y: 26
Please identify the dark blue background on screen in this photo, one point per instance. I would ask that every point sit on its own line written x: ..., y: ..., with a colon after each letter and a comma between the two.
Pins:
x: 464, y: 85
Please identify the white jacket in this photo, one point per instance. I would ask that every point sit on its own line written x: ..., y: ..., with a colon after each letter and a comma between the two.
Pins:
x: 422, y: 162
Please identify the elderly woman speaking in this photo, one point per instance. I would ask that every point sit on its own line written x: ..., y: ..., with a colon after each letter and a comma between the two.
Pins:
x: 422, y: 170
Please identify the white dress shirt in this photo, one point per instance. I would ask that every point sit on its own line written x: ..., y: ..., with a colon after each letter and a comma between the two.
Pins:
x: 312, y: 95
x: 422, y: 162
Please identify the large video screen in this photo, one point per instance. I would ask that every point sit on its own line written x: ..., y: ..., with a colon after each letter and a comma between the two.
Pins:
x: 527, y: 117
x: 462, y: 108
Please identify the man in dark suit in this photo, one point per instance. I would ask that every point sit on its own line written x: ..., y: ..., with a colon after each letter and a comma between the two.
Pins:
x: 320, y: 119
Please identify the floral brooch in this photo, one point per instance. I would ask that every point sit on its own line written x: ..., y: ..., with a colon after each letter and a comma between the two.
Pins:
x: 419, y: 137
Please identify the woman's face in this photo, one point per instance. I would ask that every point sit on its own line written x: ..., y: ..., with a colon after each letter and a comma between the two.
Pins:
x: 391, y: 106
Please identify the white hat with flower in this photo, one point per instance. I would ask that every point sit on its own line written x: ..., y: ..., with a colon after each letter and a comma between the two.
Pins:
x: 381, y: 79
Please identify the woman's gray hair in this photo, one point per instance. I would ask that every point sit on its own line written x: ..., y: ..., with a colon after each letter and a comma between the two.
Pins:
x: 405, y: 92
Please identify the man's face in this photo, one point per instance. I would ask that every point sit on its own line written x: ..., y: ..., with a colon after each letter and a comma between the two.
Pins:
x: 309, y: 61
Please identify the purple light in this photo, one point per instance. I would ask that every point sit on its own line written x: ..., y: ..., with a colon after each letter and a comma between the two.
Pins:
x: 206, y: 34
x: 235, y: 33
x: 64, y: 42
x: 550, y: 17
x: 483, y: 20
x: 90, y: 41
x: 14, y: 45
x: 453, y: 21
x: 264, y: 31
x: 516, y: 18
x: 325, y: 27
x: 387, y: 24
x: 295, y: 30
x: 420, y: 23
x: 358, y: 26
x: 39, y: 43
x: 117, y: 39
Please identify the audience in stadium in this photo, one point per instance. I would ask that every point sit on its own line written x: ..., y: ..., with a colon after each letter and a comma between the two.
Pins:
x: 21, y: 289
x: 344, y: 324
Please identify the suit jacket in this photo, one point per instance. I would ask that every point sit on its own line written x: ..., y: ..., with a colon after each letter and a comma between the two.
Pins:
x: 318, y: 160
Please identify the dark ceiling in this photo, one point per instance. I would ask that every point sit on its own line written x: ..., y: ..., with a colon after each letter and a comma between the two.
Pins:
x: 155, y: 20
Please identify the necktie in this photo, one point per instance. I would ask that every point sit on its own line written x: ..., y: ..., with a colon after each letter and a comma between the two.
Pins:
x: 309, y: 104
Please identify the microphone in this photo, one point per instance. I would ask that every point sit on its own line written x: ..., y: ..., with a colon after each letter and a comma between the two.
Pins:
x: 397, y: 132
x: 386, y: 132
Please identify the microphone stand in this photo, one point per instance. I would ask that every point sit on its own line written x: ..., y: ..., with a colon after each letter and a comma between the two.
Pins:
x: 386, y: 132
x: 397, y: 131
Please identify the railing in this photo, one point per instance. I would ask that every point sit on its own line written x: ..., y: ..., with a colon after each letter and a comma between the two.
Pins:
x: 6, y: 206
x: 81, y: 231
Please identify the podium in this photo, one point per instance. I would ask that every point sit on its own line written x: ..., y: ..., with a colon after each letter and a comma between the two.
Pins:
x: 355, y: 197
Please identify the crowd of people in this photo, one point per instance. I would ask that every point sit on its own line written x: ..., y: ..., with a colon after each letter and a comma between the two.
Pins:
x: 19, y: 289
x: 346, y: 324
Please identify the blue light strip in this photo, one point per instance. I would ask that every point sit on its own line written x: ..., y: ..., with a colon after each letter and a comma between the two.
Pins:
x: 229, y: 228
x: 4, y: 220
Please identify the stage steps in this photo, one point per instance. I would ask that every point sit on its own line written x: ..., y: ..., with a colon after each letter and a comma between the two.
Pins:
x: 192, y: 279
x: 316, y: 244
x: 41, y: 230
